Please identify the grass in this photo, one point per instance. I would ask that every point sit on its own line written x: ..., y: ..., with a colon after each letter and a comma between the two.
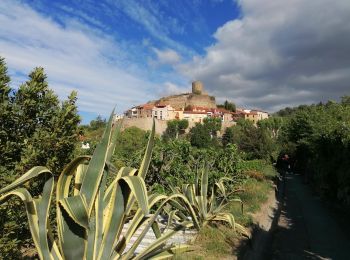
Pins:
x: 255, y: 193
x: 212, y: 243
x: 220, y: 242
x: 269, y: 172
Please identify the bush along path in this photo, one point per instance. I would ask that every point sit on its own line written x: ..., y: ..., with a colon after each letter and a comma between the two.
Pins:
x: 305, y: 228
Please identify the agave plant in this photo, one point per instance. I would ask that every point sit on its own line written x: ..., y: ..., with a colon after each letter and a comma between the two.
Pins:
x: 91, y: 215
x: 207, y: 209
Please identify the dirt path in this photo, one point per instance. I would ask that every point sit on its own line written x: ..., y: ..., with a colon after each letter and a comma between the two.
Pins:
x: 305, y: 228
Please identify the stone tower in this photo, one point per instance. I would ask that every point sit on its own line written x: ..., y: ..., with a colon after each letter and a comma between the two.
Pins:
x: 197, y: 87
x: 198, y: 98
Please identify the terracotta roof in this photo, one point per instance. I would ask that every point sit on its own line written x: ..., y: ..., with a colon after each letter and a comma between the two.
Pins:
x: 160, y: 104
x: 206, y: 109
x: 223, y: 110
x: 146, y: 106
x: 199, y: 108
x: 253, y: 112
x: 195, y: 112
x: 257, y: 110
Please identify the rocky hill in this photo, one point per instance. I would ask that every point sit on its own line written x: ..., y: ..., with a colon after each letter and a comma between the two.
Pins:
x: 197, y: 98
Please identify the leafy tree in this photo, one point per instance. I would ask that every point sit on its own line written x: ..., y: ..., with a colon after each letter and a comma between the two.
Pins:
x: 204, y: 135
x: 345, y: 100
x: 92, y: 133
x: 273, y: 125
x: 213, y: 125
x: 4, y: 82
x: 171, y: 164
x: 321, y: 138
x: 130, y: 144
x: 174, y: 128
x: 98, y: 123
x: 171, y: 132
x: 7, y: 130
x: 57, y: 139
x: 285, y: 112
x: 175, y: 162
x: 182, y: 125
x: 43, y: 125
x: 11, y: 218
x: 228, y: 136
x: 35, y: 129
x: 228, y: 106
x: 255, y: 142
x: 200, y: 136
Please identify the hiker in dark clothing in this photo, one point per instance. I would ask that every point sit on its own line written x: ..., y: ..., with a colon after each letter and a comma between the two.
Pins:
x: 284, y: 164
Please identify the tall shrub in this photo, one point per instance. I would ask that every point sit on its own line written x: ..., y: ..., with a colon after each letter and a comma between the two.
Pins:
x: 35, y: 129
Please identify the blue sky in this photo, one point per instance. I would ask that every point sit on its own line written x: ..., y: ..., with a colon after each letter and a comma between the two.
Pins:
x: 258, y: 54
x: 186, y: 26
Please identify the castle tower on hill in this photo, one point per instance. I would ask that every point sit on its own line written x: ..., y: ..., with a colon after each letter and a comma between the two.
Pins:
x: 197, y: 98
x: 197, y: 87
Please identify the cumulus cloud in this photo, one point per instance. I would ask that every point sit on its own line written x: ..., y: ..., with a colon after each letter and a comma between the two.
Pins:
x: 280, y: 53
x: 169, y: 88
x: 149, y: 15
x: 73, y: 58
x: 167, y: 56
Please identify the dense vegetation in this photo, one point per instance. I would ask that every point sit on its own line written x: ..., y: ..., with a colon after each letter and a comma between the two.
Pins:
x: 92, y: 214
x: 230, y: 106
x: 256, y: 142
x: 318, y: 139
x: 35, y: 129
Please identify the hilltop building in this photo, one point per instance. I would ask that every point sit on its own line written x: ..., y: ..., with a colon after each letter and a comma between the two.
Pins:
x: 198, y: 97
x: 173, y: 107
x: 252, y: 115
x: 166, y: 112
x: 194, y: 107
x: 197, y: 114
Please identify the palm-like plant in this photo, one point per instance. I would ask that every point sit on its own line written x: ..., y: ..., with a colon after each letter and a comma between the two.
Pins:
x: 205, y: 209
x: 90, y: 214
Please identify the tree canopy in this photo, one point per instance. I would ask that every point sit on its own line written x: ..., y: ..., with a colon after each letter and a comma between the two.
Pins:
x: 205, y: 135
x: 230, y: 106
x: 175, y: 128
x: 35, y: 129
x: 39, y: 129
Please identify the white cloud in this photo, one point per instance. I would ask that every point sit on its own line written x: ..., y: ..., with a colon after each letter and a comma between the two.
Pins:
x: 154, y: 21
x: 279, y: 53
x: 166, y: 56
x: 73, y: 58
x: 172, y: 89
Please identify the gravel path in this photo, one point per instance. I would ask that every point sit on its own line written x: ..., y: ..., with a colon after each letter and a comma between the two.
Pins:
x: 305, y: 228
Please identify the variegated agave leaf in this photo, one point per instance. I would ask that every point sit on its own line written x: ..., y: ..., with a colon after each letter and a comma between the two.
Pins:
x: 206, y: 208
x: 90, y: 215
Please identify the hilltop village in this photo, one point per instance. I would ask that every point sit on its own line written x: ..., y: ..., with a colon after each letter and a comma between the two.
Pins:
x: 194, y: 107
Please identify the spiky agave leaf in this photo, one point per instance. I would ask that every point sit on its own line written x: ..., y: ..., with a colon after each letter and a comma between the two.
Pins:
x: 90, y: 217
x: 148, y: 224
x: 207, y: 209
x: 37, y: 210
